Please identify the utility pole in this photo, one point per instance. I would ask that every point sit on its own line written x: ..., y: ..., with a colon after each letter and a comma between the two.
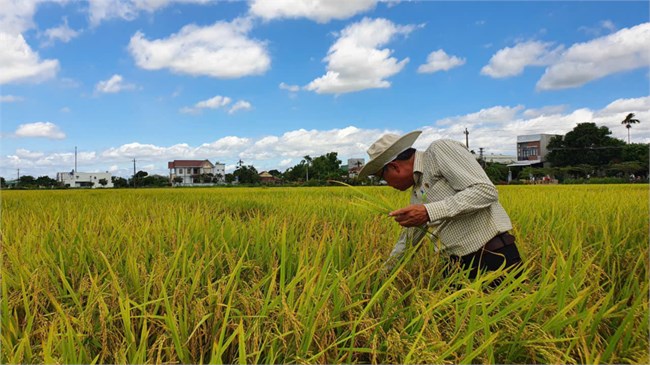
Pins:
x: 466, y: 133
x: 18, y: 175
x: 75, y: 159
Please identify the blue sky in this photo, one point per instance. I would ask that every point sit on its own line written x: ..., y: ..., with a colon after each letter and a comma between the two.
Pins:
x: 271, y: 81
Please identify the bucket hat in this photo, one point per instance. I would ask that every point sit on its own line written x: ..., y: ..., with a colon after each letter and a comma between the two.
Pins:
x: 385, y: 149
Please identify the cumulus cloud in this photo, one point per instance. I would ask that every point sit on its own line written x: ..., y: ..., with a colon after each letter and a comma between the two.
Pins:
x: 20, y: 63
x: 102, y: 10
x: 62, y: 33
x: 494, y: 114
x: 440, y: 61
x: 215, y: 102
x: 113, y: 85
x: 321, y: 11
x: 494, y: 128
x: 240, y: 105
x: 511, y: 61
x: 292, y: 88
x: 355, y: 62
x: 603, y: 26
x: 626, y: 50
x: 221, y: 50
x: 39, y: 129
x: 10, y: 99
x: 17, y: 15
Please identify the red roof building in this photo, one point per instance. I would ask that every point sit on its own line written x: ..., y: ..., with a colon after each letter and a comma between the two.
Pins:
x: 185, y: 172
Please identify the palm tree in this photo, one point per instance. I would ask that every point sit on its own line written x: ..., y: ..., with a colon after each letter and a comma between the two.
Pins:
x: 628, y: 121
x: 308, y: 160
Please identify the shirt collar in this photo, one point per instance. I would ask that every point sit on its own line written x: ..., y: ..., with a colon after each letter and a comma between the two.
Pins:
x: 418, y: 167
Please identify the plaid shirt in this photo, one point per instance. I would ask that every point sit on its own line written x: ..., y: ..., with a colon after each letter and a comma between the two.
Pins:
x: 461, y: 200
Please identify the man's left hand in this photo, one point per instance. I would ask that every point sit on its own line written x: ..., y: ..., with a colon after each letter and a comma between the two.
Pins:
x: 411, y: 216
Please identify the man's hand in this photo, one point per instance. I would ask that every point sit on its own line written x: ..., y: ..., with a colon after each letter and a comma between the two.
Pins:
x: 411, y: 216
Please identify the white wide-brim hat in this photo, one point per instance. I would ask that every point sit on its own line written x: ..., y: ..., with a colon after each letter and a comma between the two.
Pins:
x: 385, y: 149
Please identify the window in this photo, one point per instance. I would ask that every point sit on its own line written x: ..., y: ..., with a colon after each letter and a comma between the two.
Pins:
x: 180, y: 171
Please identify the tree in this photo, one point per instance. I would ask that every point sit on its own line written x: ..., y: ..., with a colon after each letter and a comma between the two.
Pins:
x: 326, y: 167
x: 46, y: 181
x: 585, y: 144
x: 27, y: 181
x: 119, y: 182
x: 497, y: 172
x: 3, y: 182
x: 137, y: 178
x: 103, y: 182
x: 247, y: 175
x: 307, y: 159
x: 628, y: 121
x: 177, y: 179
x: 229, y: 178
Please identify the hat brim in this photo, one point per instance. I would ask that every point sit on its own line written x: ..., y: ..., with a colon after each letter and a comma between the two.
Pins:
x: 402, y: 144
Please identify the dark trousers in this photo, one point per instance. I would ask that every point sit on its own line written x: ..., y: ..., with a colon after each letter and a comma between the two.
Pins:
x: 500, y: 249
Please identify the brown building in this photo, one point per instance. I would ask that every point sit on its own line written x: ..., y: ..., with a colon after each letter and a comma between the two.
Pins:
x: 266, y: 178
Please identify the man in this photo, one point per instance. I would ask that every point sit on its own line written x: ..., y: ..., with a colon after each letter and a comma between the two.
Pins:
x: 450, y: 191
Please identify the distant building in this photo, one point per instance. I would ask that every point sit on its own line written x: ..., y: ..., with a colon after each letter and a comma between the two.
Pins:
x: 504, y: 159
x: 74, y: 179
x: 354, y: 166
x: 187, y: 170
x: 267, y: 178
x: 531, y: 149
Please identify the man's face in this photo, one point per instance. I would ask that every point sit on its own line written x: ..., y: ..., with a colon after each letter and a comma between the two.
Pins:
x: 398, y: 174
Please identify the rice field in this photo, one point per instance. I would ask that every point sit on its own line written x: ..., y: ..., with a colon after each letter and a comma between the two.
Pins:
x: 293, y: 275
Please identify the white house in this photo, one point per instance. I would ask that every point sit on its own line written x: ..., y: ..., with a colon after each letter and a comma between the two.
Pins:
x: 84, y: 179
x: 187, y: 170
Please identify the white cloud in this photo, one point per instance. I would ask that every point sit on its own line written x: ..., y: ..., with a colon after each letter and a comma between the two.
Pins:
x: 440, y: 61
x: 102, y: 10
x: 283, y: 150
x: 61, y: 33
x: 511, y: 61
x: 20, y: 63
x: 23, y: 153
x: 625, y: 50
x: 292, y: 88
x: 10, y: 99
x: 547, y: 110
x: 39, y: 129
x: 17, y: 15
x: 221, y: 50
x: 495, y: 114
x: 321, y: 11
x: 240, y: 105
x: 212, y: 103
x: 605, y: 25
x: 65, y: 109
x: 354, y: 61
x: 113, y: 85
